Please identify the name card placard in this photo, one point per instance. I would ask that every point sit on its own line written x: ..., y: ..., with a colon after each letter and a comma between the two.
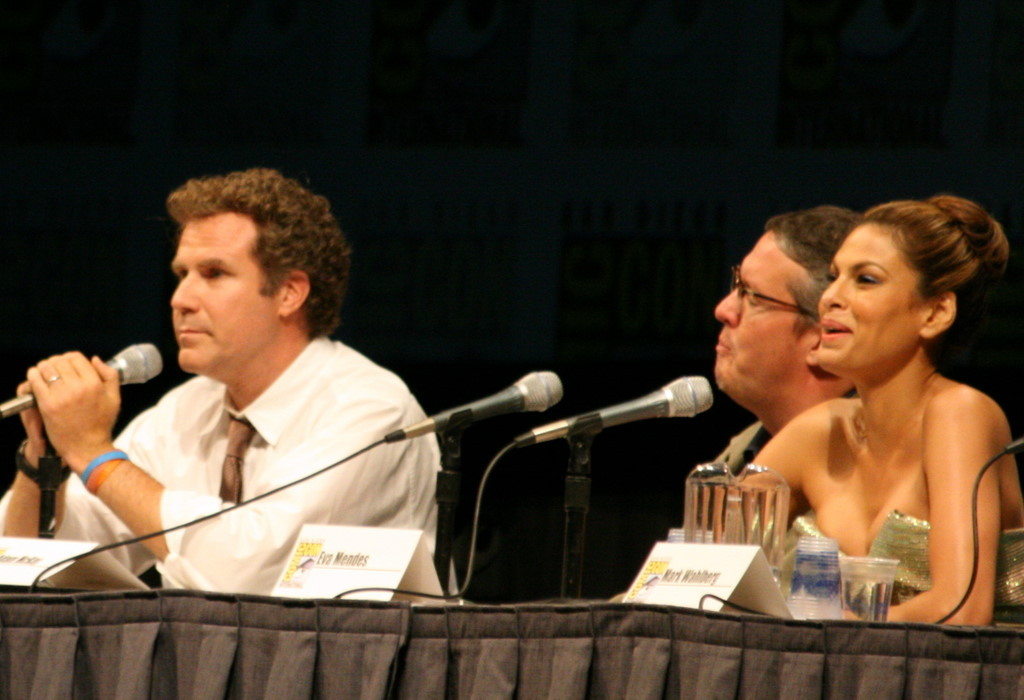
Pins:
x: 681, y: 574
x: 22, y: 559
x: 330, y: 559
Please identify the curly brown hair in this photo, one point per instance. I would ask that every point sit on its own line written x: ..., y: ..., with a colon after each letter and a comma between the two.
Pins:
x: 956, y: 246
x: 296, y: 231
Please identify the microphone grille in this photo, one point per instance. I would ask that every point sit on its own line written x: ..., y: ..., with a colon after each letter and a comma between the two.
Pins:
x: 690, y: 396
x: 138, y: 363
x: 541, y: 390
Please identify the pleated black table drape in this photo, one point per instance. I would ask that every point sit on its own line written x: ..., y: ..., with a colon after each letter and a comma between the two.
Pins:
x: 188, y: 644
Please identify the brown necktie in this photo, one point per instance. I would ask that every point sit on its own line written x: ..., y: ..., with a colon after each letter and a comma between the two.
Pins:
x: 239, y: 436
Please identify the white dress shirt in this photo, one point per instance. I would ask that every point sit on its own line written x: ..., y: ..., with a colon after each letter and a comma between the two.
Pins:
x: 331, y: 402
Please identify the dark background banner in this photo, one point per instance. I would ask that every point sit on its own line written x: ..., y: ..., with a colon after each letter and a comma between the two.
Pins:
x: 527, y: 185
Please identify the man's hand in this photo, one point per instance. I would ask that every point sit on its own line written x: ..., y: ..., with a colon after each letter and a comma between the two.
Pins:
x: 33, y: 424
x: 78, y: 400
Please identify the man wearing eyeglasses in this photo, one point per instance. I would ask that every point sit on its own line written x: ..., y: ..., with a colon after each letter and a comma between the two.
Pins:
x: 765, y: 359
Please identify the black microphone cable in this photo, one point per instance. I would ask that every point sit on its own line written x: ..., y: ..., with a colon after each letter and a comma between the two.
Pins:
x: 474, y: 527
x: 203, y: 518
x: 974, y: 532
x: 726, y: 603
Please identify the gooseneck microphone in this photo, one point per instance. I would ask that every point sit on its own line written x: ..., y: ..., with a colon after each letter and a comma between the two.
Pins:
x: 686, y: 396
x: 537, y: 391
x: 135, y: 364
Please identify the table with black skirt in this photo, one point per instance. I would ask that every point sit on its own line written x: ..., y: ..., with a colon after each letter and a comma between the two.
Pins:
x: 189, y: 644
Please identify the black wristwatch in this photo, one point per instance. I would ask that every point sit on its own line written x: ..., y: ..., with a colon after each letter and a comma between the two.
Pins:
x: 28, y: 470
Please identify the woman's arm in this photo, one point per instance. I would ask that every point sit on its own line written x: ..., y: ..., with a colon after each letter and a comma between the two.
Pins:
x: 962, y: 429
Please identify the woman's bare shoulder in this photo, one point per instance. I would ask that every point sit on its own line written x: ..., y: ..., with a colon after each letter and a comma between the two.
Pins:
x: 955, y: 411
x: 812, y: 431
x: 959, y: 402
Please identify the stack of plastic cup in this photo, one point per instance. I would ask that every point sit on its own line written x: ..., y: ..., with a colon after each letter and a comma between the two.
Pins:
x: 815, y: 590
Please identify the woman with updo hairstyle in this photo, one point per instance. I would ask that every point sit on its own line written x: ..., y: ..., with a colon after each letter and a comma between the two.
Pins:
x: 890, y: 471
x: 957, y: 247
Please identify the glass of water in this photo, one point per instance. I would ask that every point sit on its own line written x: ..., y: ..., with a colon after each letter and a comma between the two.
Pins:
x: 867, y: 586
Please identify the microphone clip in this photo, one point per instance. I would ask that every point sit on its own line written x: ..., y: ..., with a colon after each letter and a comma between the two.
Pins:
x: 577, y: 502
x: 585, y: 428
x: 447, y: 488
x: 450, y: 439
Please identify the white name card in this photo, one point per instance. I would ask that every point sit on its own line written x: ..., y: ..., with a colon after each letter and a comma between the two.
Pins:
x: 682, y: 574
x: 22, y: 559
x: 331, y: 559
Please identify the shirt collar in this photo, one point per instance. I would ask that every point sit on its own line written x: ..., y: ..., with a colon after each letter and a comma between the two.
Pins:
x: 273, y: 410
x: 760, y: 439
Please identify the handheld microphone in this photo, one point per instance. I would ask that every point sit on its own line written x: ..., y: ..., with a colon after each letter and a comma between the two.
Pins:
x: 537, y: 391
x: 686, y: 396
x: 135, y: 364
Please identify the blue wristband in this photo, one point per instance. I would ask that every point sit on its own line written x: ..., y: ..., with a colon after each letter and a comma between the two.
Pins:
x: 102, y: 459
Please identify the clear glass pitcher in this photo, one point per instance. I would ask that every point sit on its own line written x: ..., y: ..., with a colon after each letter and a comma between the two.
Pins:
x: 750, y: 508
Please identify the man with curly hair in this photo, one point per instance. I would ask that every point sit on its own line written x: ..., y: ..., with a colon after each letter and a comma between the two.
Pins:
x: 262, y: 267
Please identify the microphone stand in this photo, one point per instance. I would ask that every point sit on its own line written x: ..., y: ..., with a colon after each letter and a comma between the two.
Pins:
x: 577, y: 503
x: 49, y: 482
x: 449, y: 481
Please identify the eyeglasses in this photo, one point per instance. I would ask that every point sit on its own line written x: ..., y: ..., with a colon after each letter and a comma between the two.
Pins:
x: 745, y: 291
